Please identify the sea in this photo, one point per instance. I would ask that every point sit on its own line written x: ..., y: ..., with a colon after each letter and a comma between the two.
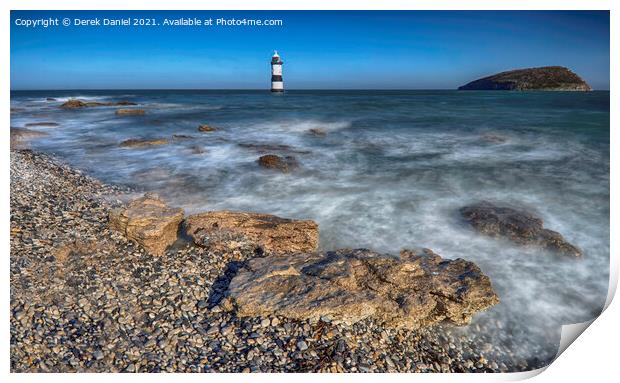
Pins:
x: 386, y: 170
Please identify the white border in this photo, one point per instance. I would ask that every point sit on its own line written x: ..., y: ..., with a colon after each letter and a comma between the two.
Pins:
x: 593, y: 356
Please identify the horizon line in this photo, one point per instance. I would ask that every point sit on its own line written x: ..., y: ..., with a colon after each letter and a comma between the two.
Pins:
x: 268, y: 90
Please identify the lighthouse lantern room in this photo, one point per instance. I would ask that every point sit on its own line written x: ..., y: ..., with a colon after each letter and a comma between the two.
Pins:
x: 276, y: 73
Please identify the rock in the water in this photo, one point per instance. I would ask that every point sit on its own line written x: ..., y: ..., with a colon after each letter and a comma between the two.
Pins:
x: 266, y: 232
x: 44, y: 124
x: 130, y: 112
x: 19, y: 136
x: 351, y: 285
x: 518, y: 226
x: 317, y: 132
x: 182, y: 137
x: 206, y: 128
x: 75, y: 103
x: 139, y: 143
x: 273, y: 161
x: 493, y: 138
x: 544, y: 78
x: 50, y: 99
x: 148, y: 221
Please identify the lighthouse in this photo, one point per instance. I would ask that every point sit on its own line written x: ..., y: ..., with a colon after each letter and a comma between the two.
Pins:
x: 276, y: 73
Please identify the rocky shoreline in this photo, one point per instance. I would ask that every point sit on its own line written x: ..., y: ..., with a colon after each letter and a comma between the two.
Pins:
x: 87, y: 298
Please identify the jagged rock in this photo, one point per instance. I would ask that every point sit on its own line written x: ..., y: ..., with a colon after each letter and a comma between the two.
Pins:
x: 544, y: 78
x: 262, y: 232
x: 75, y: 103
x: 139, y: 143
x: 149, y: 221
x: 518, y: 226
x: 273, y: 161
x: 351, y: 285
x: 206, y: 128
x: 130, y: 112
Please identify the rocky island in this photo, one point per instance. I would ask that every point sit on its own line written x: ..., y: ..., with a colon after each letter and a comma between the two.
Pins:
x: 550, y: 78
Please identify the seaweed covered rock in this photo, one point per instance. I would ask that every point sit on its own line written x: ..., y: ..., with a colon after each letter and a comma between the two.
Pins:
x: 351, y: 285
x: 143, y: 142
x: 518, y: 226
x: 262, y: 232
x: 273, y: 161
x: 130, y: 112
x: 206, y: 128
x: 76, y: 104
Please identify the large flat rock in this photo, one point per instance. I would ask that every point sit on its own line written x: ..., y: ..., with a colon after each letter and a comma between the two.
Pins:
x: 149, y: 221
x: 518, y: 226
x: 351, y: 285
x: 268, y: 233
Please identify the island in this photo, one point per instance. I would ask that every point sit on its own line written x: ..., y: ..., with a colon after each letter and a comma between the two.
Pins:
x: 549, y: 78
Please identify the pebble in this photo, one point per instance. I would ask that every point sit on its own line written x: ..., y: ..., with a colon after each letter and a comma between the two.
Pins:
x: 302, y: 345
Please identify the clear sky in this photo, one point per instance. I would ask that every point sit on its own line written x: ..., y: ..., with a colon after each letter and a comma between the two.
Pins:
x: 336, y: 50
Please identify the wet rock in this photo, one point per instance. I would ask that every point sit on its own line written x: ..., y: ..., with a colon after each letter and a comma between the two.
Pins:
x: 50, y: 99
x: 44, y: 124
x: 351, y: 285
x: 149, y: 221
x: 76, y: 104
x: 19, y: 136
x: 206, y: 128
x: 268, y: 233
x: 197, y: 149
x: 143, y: 142
x: 493, y: 138
x: 270, y: 148
x: 130, y: 112
x: 272, y: 161
x: 317, y: 132
x: 182, y: 137
x: 519, y: 226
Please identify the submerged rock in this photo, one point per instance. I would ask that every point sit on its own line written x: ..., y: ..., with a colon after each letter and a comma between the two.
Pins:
x: 267, y: 148
x: 130, y: 112
x: 182, y: 137
x: 493, y: 138
x: 43, y: 124
x: 206, y: 128
x: 518, y: 226
x: 351, y: 285
x: 273, y: 161
x: 317, y: 132
x: 75, y: 103
x: 263, y: 232
x: 149, y: 221
x: 139, y: 142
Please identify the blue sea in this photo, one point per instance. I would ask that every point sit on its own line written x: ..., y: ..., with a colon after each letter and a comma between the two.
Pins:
x: 390, y: 172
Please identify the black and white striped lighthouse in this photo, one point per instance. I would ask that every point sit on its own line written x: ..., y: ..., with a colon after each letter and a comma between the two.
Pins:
x: 276, y: 73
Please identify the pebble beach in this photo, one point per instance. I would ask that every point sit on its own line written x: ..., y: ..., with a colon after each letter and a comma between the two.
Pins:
x: 85, y: 298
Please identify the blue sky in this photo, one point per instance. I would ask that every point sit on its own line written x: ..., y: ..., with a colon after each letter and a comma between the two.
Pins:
x: 337, y: 50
